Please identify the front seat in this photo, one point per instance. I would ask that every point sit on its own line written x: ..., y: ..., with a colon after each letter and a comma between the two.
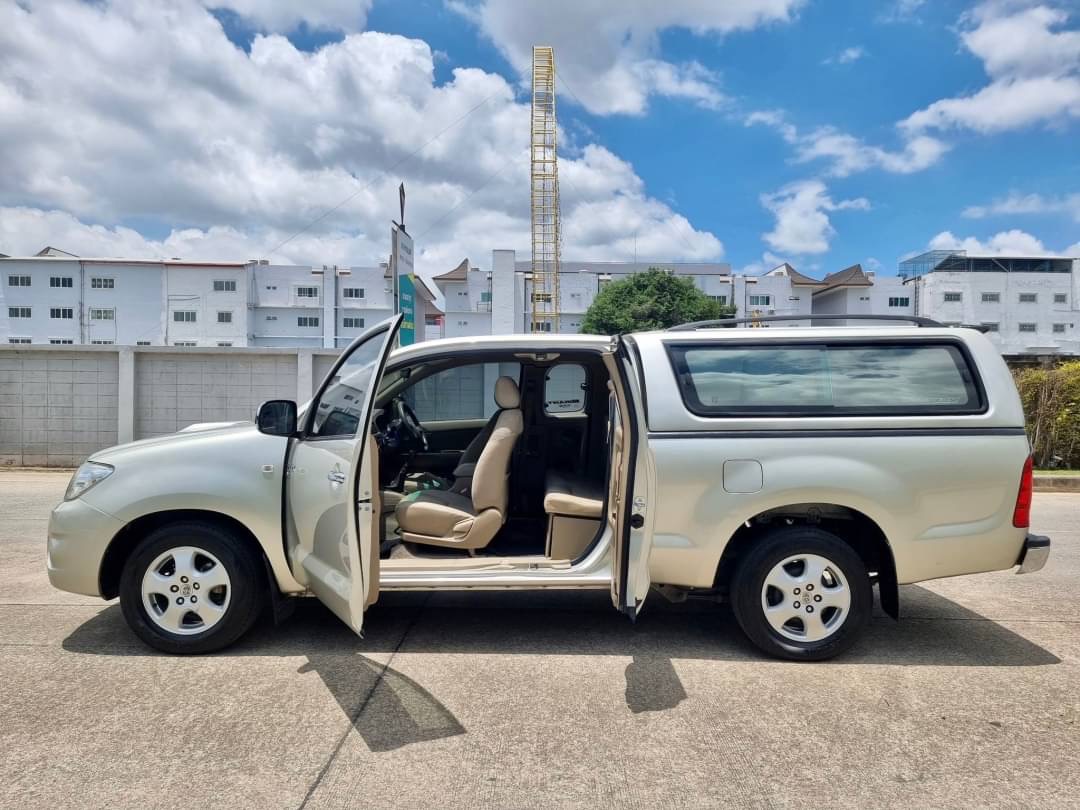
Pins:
x: 471, y: 519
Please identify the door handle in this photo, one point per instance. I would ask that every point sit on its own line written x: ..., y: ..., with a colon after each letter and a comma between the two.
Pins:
x: 336, y: 477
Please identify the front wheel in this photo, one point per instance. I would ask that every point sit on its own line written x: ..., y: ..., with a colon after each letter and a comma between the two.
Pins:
x: 801, y: 593
x: 190, y: 588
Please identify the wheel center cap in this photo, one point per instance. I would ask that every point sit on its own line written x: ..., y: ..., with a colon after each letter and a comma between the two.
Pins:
x: 186, y: 590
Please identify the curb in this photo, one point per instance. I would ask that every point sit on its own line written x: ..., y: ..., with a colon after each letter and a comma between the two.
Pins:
x: 1057, y: 483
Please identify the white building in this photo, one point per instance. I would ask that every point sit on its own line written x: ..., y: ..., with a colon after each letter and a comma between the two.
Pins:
x: 58, y: 298
x: 1027, y: 304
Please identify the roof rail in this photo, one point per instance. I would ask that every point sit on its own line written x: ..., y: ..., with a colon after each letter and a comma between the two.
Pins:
x: 727, y: 322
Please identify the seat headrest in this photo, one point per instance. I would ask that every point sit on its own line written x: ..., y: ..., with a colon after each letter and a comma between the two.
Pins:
x: 506, y: 393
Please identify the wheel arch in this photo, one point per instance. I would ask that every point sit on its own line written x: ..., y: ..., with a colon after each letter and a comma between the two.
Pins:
x: 861, y: 532
x: 127, y: 539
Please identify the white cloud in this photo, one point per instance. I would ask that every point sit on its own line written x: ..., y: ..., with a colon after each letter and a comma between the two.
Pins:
x: 903, y: 11
x: 608, y: 52
x: 1006, y: 242
x: 1016, y: 203
x: 847, y: 154
x: 846, y: 56
x: 1033, y: 62
x: 152, y: 115
x: 286, y: 15
x: 802, y: 217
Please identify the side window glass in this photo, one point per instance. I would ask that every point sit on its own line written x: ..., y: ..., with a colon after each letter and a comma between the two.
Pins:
x: 564, y: 389
x: 338, y: 411
x: 460, y: 393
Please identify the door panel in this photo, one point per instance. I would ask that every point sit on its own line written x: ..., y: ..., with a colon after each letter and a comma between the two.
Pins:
x: 329, y: 484
x: 633, y: 513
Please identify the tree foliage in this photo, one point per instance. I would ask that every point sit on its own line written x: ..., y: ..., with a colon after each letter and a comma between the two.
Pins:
x: 1051, y: 398
x: 655, y: 299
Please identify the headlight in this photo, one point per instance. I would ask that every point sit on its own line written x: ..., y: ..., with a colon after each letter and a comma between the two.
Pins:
x: 85, y: 477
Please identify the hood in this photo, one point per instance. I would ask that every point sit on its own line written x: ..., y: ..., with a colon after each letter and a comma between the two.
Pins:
x: 186, y: 435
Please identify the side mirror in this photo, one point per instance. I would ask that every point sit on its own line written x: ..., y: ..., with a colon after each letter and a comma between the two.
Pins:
x: 277, y: 417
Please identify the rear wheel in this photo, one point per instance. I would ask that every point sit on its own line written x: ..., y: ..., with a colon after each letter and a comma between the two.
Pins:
x: 190, y: 588
x: 801, y: 593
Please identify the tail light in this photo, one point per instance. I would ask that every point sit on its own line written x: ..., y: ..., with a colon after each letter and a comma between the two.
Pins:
x: 1022, y: 512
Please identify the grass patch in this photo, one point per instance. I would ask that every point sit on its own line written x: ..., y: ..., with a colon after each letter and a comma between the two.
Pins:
x: 1071, y: 473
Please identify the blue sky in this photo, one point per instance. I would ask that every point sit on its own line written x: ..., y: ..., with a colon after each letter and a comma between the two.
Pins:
x: 755, y: 131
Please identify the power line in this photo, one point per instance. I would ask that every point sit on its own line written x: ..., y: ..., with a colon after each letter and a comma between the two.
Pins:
x: 380, y: 172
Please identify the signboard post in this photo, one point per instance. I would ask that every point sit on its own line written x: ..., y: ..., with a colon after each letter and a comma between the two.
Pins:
x: 401, y: 268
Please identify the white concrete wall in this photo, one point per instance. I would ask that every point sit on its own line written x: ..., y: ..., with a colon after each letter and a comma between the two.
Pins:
x: 59, y: 404
x: 56, y: 405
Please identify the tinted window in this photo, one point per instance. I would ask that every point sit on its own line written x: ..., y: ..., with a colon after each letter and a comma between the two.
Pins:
x: 564, y: 389
x: 820, y: 379
x: 339, y: 408
x: 462, y: 392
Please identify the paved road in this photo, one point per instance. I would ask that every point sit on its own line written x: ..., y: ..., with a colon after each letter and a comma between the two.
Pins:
x: 519, y: 700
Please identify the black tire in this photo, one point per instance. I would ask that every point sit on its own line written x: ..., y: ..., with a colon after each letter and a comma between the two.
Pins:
x: 748, y: 582
x: 245, y: 587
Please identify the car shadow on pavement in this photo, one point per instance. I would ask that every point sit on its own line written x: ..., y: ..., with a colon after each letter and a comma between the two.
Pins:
x: 390, y: 710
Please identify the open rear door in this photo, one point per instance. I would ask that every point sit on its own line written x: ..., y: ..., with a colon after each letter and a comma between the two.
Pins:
x: 331, y: 482
x: 634, y: 507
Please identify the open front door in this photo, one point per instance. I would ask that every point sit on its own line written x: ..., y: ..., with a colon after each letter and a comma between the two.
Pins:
x: 633, y: 472
x: 331, y: 530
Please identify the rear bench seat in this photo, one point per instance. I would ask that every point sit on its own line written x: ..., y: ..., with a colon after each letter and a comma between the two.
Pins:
x: 574, y: 508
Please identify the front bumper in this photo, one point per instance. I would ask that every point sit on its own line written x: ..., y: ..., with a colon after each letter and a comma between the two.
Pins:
x: 1034, y: 554
x: 78, y: 537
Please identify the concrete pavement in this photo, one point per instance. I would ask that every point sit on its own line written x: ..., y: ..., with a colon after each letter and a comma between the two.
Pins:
x: 542, y: 700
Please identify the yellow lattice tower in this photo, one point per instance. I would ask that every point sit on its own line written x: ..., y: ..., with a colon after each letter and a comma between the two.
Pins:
x: 544, y: 190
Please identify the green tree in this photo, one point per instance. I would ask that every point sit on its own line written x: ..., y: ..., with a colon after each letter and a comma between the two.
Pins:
x: 655, y: 299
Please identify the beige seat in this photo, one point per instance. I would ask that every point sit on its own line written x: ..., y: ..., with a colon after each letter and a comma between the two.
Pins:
x: 470, y: 521
x: 574, y: 508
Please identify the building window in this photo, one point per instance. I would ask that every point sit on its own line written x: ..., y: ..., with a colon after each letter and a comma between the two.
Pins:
x: 271, y: 317
x: 1027, y: 327
x: 187, y: 343
x: 19, y: 312
x: 990, y: 327
x: 760, y: 300
x: 352, y: 323
x: 19, y: 340
x: 1029, y: 298
x: 953, y: 297
x: 899, y: 302
x: 102, y: 283
x: 224, y: 344
x: 142, y: 342
x: 271, y: 286
x: 224, y: 317
x: 485, y: 296
x: 61, y: 341
x: 1059, y: 328
x: 1061, y: 298
x: 307, y: 292
x: 18, y: 281
x: 991, y: 298
x: 720, y: 299
x: 307, y: 320
x: 63, y: 313
x: 542, y: 326
x: 354, y: 292
x: 60, y: 281
x: 225, y: 285
x: 103, y: 315
x: 101, y: 342
x: 184, y: 316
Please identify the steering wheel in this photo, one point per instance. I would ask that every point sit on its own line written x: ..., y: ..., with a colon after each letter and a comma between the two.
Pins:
x: 406, y: 417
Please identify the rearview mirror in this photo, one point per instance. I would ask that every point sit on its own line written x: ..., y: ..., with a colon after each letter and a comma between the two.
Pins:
x: 277, y: 417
